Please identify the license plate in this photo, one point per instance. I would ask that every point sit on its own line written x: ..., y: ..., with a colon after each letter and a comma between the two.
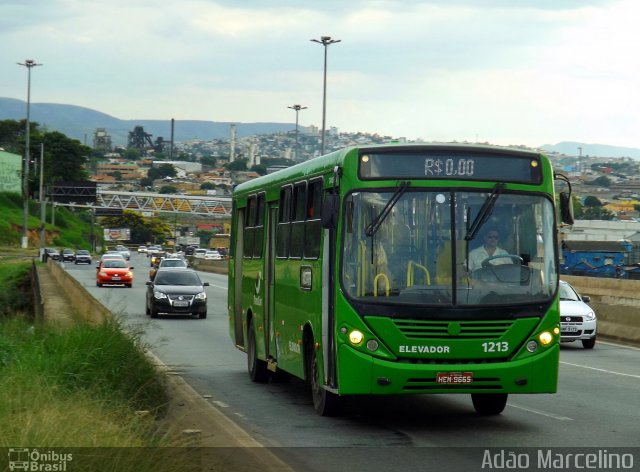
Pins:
x: 570, y: 329
x: 454, y: 378
x: 115, y: 278
x: 179, y: 303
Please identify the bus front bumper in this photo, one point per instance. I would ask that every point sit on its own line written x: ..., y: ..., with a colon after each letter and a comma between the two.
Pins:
x: 361, y: 374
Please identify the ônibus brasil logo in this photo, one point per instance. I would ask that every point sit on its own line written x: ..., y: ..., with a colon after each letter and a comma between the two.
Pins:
x: 41, y: 460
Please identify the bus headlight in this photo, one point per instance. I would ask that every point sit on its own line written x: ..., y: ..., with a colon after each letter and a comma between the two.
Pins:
x: 545, y: 338
x: 356, y: 337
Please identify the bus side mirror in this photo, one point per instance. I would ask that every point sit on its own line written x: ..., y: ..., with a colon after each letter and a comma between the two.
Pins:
x: 330, y: 210
x: 566, y: 208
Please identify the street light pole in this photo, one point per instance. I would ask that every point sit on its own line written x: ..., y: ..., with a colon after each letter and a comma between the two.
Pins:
x: 297, y: 108
x: 43, y: 204
x: 28, y: 63
x: 325, y: 41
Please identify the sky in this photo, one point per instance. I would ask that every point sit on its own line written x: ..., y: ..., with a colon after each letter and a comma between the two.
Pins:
x: 508, y: 72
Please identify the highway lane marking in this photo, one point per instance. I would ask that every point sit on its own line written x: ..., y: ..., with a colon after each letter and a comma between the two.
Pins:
x: 602, y: 370
x: 619, y: 345
x: 218, y: 286
x: 543, y: 413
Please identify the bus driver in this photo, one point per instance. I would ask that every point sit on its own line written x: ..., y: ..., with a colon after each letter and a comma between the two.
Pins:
x: 490, y: 248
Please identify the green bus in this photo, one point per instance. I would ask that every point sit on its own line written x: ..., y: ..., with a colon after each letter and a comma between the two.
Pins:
x: 377, y: 270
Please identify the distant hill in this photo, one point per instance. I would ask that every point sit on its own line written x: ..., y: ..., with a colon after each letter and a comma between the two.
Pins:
x: 570, y: 148
x: 80, y: 123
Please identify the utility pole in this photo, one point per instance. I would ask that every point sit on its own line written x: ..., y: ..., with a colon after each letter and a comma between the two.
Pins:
x: 297, y: 108
x: 325, y: 41
x: 29, y: 64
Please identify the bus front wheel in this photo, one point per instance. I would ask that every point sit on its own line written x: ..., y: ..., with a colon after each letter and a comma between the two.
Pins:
x: 325, y: 402
x: 257, y: 368
x: 489, y: 403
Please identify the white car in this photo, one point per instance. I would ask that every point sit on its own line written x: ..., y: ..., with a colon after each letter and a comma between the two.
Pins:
x: 577, y: 319
x: 142, y: 249
x: 212, y: 256
x: 199, y: 253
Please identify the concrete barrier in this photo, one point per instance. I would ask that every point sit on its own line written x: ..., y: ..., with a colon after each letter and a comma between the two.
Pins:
x: 616, y: 303
x: 83, y: 305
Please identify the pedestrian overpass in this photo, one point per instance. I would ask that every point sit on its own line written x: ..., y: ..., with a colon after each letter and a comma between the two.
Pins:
x: 150, y: 204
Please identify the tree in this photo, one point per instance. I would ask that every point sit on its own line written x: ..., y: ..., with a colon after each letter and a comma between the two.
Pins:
x: 597, y: 213
x: 142, y: 230
x: 208, y: 161
x: 207, y: 186
x: 162, y: 171
x: 591, y: 201
x: 64, y: 158
x: 259, y: 169
x: 133, y: 154
x: 146, y: 182
x: 168, y: 189
x: 239, y: 164
x: 602, y: 181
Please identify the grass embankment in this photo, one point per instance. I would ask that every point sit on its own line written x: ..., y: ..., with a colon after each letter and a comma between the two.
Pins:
x: 72, y: 226
x: 84, y: 386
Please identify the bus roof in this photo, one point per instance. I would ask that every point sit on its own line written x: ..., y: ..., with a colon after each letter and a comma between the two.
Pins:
x: 323, y: 164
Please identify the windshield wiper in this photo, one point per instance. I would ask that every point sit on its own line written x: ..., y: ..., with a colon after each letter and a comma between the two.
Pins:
x: 375, y: 224
x: 485, y: 212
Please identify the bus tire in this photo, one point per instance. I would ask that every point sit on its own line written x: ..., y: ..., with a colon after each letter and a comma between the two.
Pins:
x: 489, y: 403
x: 257, y: 368
x: 325, y: 402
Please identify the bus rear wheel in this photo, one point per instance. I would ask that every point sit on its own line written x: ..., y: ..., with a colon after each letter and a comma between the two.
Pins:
x: 257, y: 368
x: 489, y: 403
x: 325, y: 402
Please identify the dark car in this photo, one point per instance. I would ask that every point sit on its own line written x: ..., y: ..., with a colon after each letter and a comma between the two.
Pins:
x: 68, y: 255
x: 83, y: 257
x: 52, y: 253
x: 176, y: 290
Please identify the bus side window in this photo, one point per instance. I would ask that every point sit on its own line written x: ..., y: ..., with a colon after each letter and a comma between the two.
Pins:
x: 249, y: 223
x: 313, y: 224
x: 258, y: 236
x: 284, y: 226
x: 299, y: 209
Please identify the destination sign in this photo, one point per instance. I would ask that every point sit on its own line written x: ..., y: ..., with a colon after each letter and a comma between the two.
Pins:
x: 451, y: 165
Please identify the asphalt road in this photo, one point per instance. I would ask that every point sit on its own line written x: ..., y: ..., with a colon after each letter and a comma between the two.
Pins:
x: 596, y: 410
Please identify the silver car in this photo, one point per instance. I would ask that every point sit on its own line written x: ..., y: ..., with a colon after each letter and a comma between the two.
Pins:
x: 577, y: 319
x: 124, y: 250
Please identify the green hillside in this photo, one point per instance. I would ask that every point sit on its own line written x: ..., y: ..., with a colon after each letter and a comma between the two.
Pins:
x: 71, y: 228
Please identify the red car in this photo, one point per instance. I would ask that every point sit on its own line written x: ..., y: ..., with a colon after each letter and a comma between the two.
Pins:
x: 114, y: 272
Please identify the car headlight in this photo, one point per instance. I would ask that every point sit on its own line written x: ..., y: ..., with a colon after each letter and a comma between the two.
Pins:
x: 590, y: 316
x: 201, y: 296
x: 102, y: 274
x: 159, y: 295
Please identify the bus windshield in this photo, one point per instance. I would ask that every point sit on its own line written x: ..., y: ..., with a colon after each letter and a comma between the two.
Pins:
x: 423, y: 252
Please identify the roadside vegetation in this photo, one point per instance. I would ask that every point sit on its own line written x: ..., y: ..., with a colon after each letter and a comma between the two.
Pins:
x: 82, y: 387
x: 72, y: 227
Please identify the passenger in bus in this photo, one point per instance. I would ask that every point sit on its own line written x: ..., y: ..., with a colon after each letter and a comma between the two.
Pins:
x: 488, y: 249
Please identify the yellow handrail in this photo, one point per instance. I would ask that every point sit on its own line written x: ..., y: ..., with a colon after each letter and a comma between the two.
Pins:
x: 411, y: 270
x: 362, y: 251
x: 375, y: 284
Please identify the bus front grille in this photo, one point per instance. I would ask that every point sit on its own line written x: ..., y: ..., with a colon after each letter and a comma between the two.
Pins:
x: 419, y: 329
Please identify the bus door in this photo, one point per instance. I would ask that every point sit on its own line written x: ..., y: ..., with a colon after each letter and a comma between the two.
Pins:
x: 269, y: 281
x: 237, y: 283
